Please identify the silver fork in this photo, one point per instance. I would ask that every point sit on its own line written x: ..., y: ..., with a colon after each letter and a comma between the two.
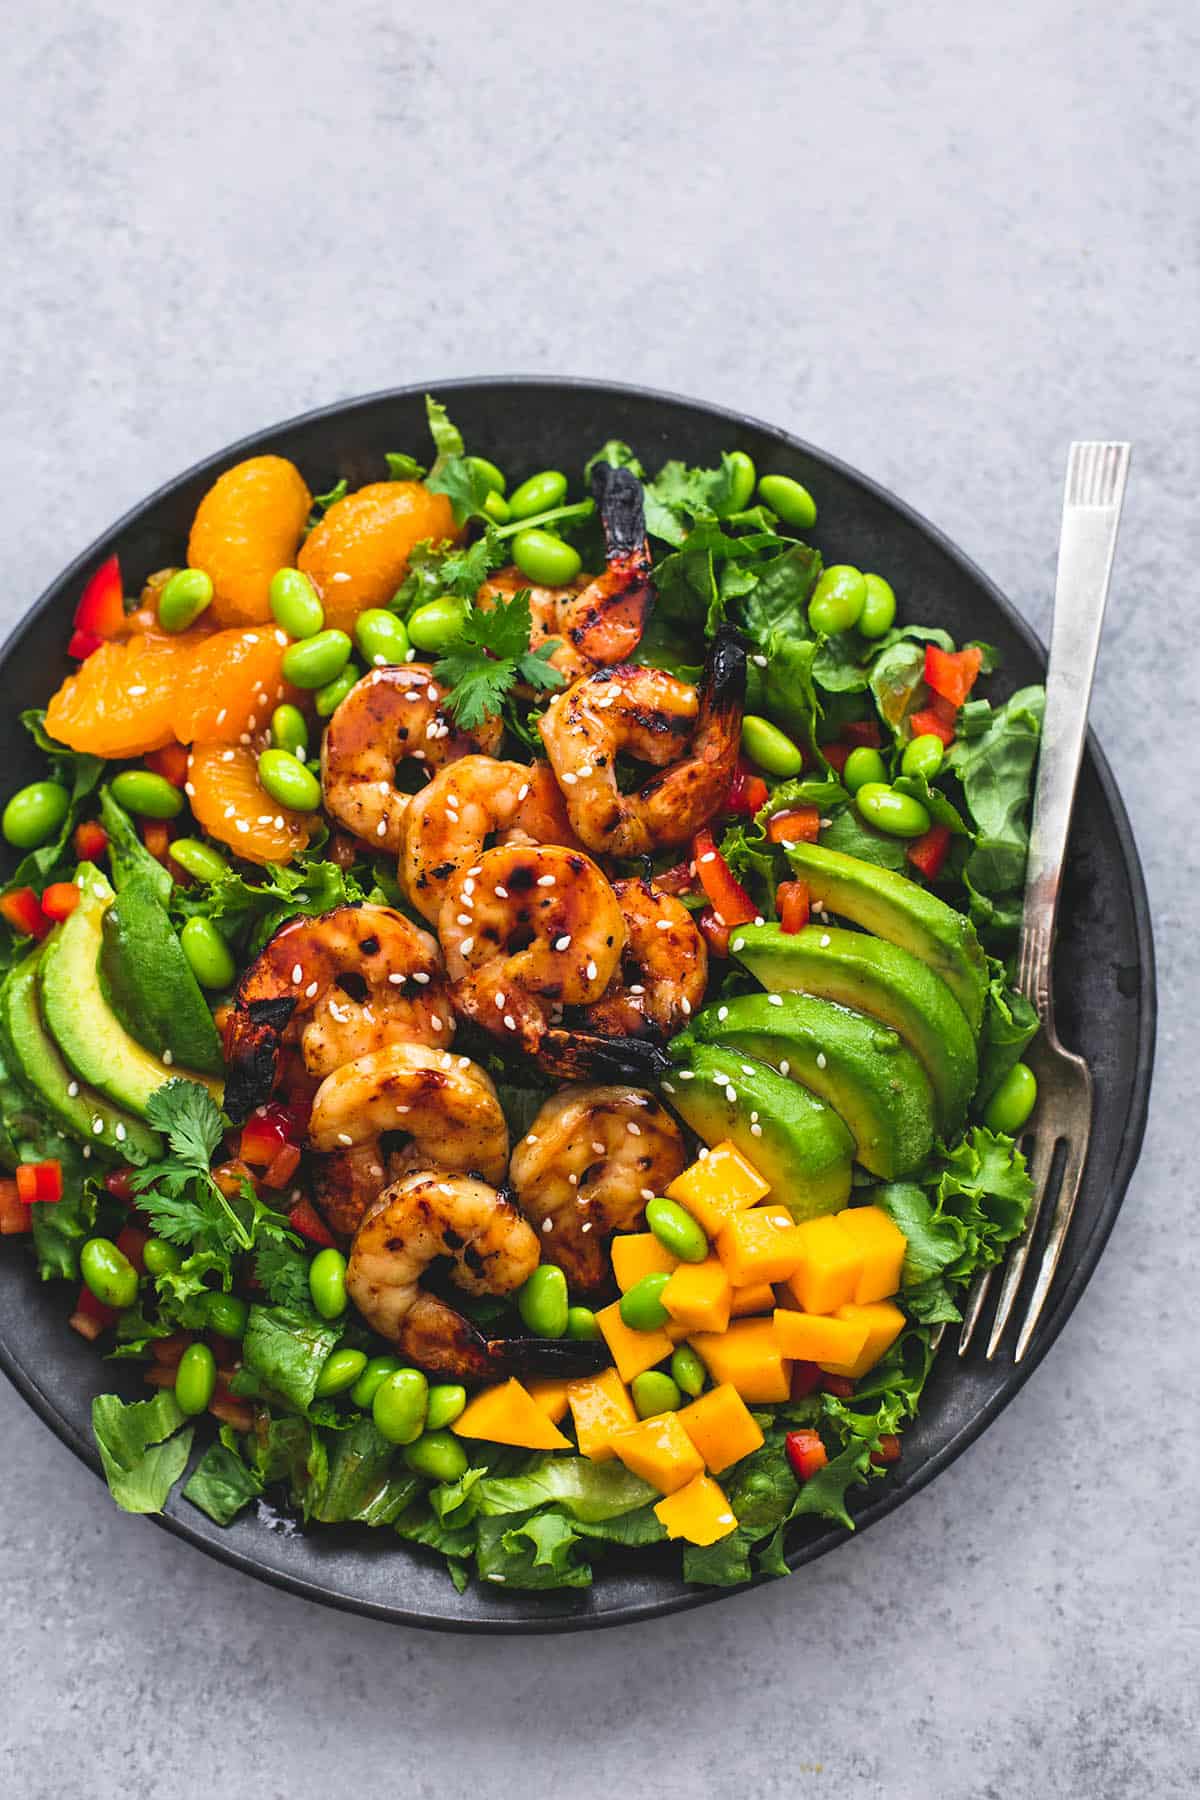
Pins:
x: 1092, y: 503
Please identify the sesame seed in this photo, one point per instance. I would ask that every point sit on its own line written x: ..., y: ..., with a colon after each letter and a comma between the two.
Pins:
x: 431, y: 693
x: 592, y: 971
x: 760, y: 662
x: 547, y: 1224
x: 785, y: 1067
x: 397, y: 980
x: 466, y: 947
x: 567, y: 779
x: 510, y: 1024
x: 635, y: 987
x: 97, y: 1126
x: 281, y: 639
x: 381, y: 828
x: 826, y: 940
x: 310, y: 990
x: 633, y: 1128
x: 121, y: 1133
x: 501, y: 893
x: 730, y: 1095
x: 598, y: 1147
x: 462, y: 918
x: 168, y: 1056
x: 188, y: 789
x: 758, y: 919
x: 228, y: 755
x: 222, y: 715
x: 420, y: 976
x: 532, y: 1138
x: 135, y: 693
x: 739, y: 943
x: 586, y: 1226
x: 523, y: 791
x: 243, y: 737
x: 563, y: 942
x: 709, y: 856
x: 243, y: 827
x: 668, y: 1087
x: 573, y: 1180
x: 72, y: 1089
x: 774, y: 999
x: 646, y: 1193
x: 297, y: 975
x: 469, y: 885
x: 820, y: 1059
x: 278, y: 821
x: 545, y: 880
x: 500, y: 1002
x: 756, y: 1131
x: 435, y: 1021
x: 722, y: 1013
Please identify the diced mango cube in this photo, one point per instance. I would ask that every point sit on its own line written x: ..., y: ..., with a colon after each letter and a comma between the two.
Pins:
x: 721, y: 1428
x: 813, y: 1337
x: 508, y: 1414
x: 760, y: 1245
x: 759, y: 1297
x: 601, y: 1408
x: 882, y: 1246
x: 828, y: 1267
x: 747, y: 1356
x: 661, y: 1452
x: 698, y: 1296
x: 551, y: 1396
x: 699, y: 1512
x: 884, y: 1322
x: 638, y: 1253
x: 632, y: 1351
x: 717, y: 1186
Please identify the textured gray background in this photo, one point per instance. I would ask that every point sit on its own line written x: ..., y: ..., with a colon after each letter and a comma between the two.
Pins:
x: 938, y: 248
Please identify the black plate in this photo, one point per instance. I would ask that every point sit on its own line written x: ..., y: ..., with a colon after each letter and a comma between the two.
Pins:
x: 1104, y: 969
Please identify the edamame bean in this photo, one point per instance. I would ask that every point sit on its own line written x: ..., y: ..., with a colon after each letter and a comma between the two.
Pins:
x: 496, y: 480
x: 790, y: 499
x: 546, y: 559
x: 1013, y: 1101
x: 497, y: 509
x: 879, y: 607
x: 35, y: 813
x: 688, y: 1371
x: 437, y: 624
x: 327, y: 1284
x: 289, y: 730
x: 381, y: 637
x: 199, y: 859
x: 340, y: 1370
x: 837, y: 600
x: 897, y: 814
x: 437, y: 1454
x: 582, y: 1325
x: 142, y: 791
x: 641, y: 1307
x: 542, y: 1302
x: 195, y: 1379
x: 295, y: 604
x: 654, y: 1392
x: 315, y: 661
x: 769, y: 747
x: 226, y: 1314
x: 676, y: 1230
x: 108, y: 1272
x: 538, y: 494
x: 398, y: 1408
x: 373, y: 1376
x: 446, y: 1402
x: 742, y: 476
x: 923, y: 755
x: 207, y: 953
x: 863, y: 765
x: 183, y: 597
x: 287, y: 780
x: 160, y: 1257
x: 330, y: 697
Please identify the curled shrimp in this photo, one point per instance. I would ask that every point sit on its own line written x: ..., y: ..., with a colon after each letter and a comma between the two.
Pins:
x: 422, y: 1218
x: 445, y: 1106
x: 586, y: 1167
x: 472, y: 802
x: 392, y: 716
x: 663, y: 969
x: 690, y: 736
x: 339, y: 985
x: 597, y: 620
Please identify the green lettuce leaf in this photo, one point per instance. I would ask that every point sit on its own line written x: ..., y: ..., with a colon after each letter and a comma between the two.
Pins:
x: 287, y: 1351
x: 221, y: 1485
x: 539, y: 1553
x: 589, y: 1491
x: 995, y: 767
x: 142, y: 1448
x: 362, y: 1484
x: 1010, y: 1023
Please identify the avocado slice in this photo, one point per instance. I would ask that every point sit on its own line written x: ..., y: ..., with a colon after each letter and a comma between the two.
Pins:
x: 860, y: 1067
x: 148, y: 981
x: 79, y: 1018
x: 794, y: 1140
x: 882, y: 980
x: 897, y: 909
x: 83, y: 1113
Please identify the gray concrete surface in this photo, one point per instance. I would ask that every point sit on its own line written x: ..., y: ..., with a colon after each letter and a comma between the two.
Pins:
x: 938, y: 240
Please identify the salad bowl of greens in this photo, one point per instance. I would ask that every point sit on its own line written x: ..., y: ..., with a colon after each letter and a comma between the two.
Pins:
x: 311, y: 1497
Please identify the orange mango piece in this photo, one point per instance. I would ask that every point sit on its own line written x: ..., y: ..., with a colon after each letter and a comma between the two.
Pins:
x: 721, y: 1427
x: 638, y: 1253
x: 633, y: 1351
x: 812, y: 1337
x: 699, y: 1512
x: 601, y: 1408
x: 661, y: 1452
x: 882, y: 1246
x: 829, y: 1266
x: 884, y: 1322
x: 717, y: 1186
x: 699, y: 1296
x: 759, y: 1297
x: 551, y: 1396
x: 747, y: 1356
x: 508, y: 1414
x: 760, y: 1245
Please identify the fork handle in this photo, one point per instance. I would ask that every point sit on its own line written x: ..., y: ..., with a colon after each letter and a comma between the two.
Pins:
x: 1095, y: 489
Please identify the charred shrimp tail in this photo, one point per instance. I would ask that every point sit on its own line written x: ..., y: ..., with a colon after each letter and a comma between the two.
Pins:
x: 619, y: 501
x: 254, y: 1055
x: 586, y: 1056
x: 723, y: 684
x: 560, y: 1358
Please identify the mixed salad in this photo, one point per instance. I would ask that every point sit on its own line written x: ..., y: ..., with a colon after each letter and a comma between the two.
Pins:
x: 504, y: 1023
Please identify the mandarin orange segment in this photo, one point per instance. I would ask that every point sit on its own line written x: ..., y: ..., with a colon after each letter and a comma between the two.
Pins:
x: 357, y: 555
x: 248, y: 525
x: 232, y: 686
x: 231, y: 804
x: 122, y: 700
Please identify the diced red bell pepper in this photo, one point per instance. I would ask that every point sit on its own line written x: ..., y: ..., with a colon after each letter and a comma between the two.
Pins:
x: 791, y: 901
x: 81, y: 644
x: 862, y: 734
x: 101, y: 608
x: 132, y: 1243
x: 928, y: 853
x: 97, y: 1315
x: 806, y: 1378
x: 795, y: 825
x: 91, y: 840
x: 806, y: 1453
x: 42, y: 1182
x: 938, y: 719
x: 952, y: 673
x: 729, y: 898
x: 282, y: 1167
x: 171, y: 762
x: 840, y: 1386
x: 305, y: 1219
x: 23, y: 910
x: 747, y: 791
x: 713, y: 930
x: 156, y: 836
x: 119, y: 1184
x: 15, y: 1216
x: 60, y: 899
x: 264, y: 1134
x: 836, y: 755
x: 888, y: 1451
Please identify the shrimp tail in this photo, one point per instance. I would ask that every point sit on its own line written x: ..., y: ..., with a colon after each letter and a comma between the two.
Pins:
x: 723, y: 685
x: 563, y: 1358
x: 586, y: 1056
x: 618, y: 494
x: 253, y: 1054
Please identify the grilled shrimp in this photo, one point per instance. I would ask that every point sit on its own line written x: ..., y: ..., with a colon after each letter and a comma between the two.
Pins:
x: 445, y: 1105
x: 690, y: 736
x: 589, y: 1163
x: 428, y: 1215
x: 339, y: 985
x: 599, y: 619
x: 391, y: 716
x: 476, y: 799
x: 663, y: 969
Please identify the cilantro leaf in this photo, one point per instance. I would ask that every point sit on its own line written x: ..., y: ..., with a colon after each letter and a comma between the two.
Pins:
x: 490, y: 656
x: 401, y: 467
x: 321, y: 503
x: 190, y: 1119
x: 464, y: 485
x: 281, y: 1269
